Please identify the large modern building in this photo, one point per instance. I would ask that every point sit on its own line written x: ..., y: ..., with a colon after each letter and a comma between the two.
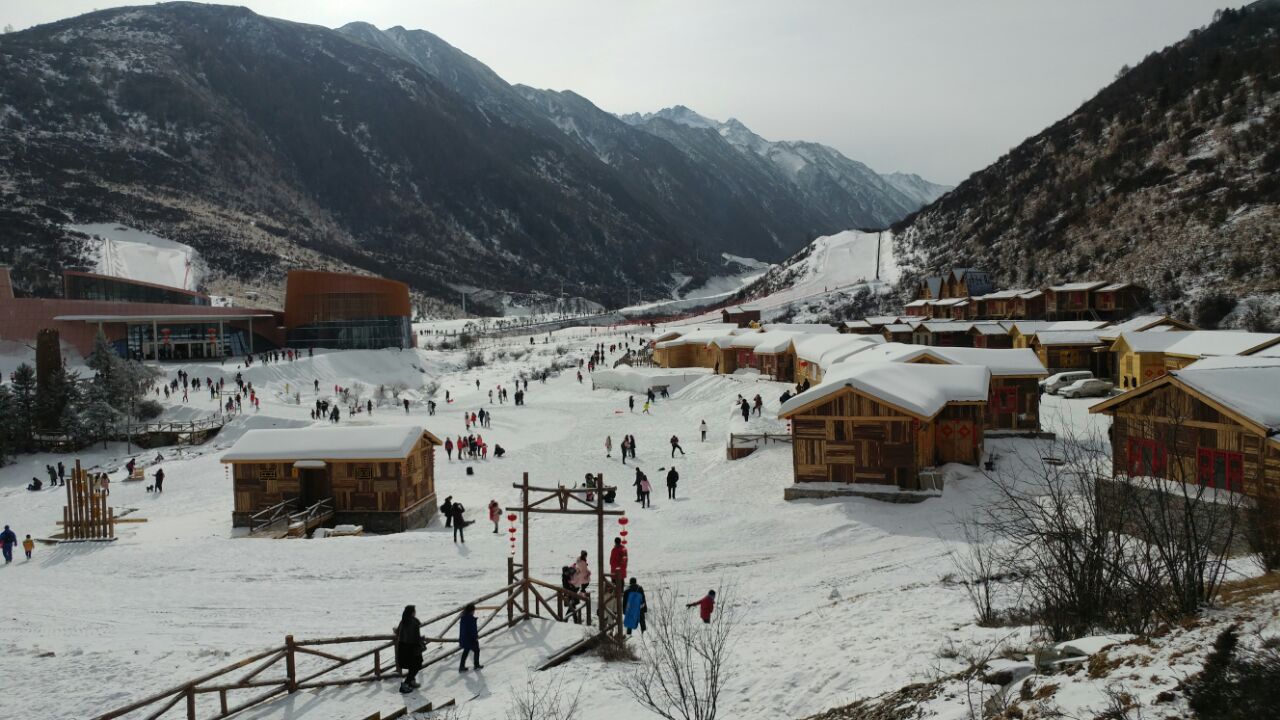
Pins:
x: 156, y: 322
x: 336, y: 310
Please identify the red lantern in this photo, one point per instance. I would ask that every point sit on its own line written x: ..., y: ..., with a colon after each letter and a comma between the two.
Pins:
x: 623, y: 520
x: 513, y: 532
x: 511, y: 517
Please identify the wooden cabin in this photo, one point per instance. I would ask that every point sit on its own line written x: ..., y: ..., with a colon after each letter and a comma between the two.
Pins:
x: 1072, y: 301
x: 1117, y: 300
x: 741, y: 316
x: 898, y: 332
x: 776, y: 357
x: 1061, y: 350
x: 1142, y: 357
x: 1011, y: 305
x: 929, y: 288
x: 1013, y: 402
x: 884, y: 423
x: 919, y: 308
x: 722, y: 355
x: 382, y: 478
x: 1216, y: 427
x: 990, y: 335
x: 943, y: 334
x: 967, y: 282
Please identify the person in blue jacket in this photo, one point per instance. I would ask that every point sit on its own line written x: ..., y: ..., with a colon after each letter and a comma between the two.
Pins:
x: 469, y: 638
x: 7, y: 540
x: 634, y: 607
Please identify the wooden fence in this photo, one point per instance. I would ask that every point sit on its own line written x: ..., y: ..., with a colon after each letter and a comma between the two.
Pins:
x: 743, y: 444
x: 329, y: 662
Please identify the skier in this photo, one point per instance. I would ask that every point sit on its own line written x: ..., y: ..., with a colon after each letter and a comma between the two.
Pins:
x: 634, y: 606
x: 608, y: 446
x: 618, y: 560
x: 446, y: 508
x: 159, y: 480
x: 675, y: 445
x: 703, y: 428
x: 706, y: 606
x: 495, y: 514
x: 469, y: 638
x: 409, y: 647
x: 673, y: 477
x: 8, y: 539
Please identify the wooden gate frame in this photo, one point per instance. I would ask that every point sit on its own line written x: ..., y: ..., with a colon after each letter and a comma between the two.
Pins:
x: 609, y: 595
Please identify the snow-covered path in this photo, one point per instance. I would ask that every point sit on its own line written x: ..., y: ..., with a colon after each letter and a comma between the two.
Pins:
x: 842, y: 598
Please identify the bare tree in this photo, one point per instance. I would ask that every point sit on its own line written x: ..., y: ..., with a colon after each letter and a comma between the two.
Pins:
x: 544, y: 701
x: 978, y: 566
x: 684, y: 662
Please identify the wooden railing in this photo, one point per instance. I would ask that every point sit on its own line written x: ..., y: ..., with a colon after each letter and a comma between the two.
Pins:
x: 191, y: 426
x: 272, y: 515
x: 312, y: 512
x: 737, y: 440
x: 301, y: 665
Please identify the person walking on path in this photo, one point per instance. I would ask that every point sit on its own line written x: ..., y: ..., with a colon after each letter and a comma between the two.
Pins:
x: 7, y: 540
x: 160, y: 480
x: 703, y: 428
x: 459, y: 523
x: 706, y: 606
x: 675, y: 445
x: 673, y: 477
x: 28, y: 545
x: 618, y: 560
x: 469, y: 638
x: 62, y: 473
x: 409, y: 647
x: 446, y: 509
x: 639, y: 479
x: 634, y: 607
x: 608, y: 446
x: 746, y: 410
x: 582, y: 573
x: 631, y: 403
x: 448, y: 448
x: 645, y: 411
x: 759, y: 404
x: 631, y: 446
x: 495, y: 514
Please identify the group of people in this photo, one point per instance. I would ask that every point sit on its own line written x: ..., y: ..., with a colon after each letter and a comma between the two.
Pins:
x: 8, y: 539
x: 472, y: 447
x: 410, y: 644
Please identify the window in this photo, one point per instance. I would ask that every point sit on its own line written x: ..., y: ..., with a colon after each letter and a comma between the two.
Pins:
x: 1146, y: 457
x: 1220, y: 469
x: 1004, y: 399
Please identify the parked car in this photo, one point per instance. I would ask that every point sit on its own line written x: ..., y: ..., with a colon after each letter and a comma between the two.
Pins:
x: 1088, y: 387
x: 1054, y: 383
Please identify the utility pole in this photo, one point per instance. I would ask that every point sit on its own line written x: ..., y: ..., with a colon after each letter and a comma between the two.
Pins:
x: 464, y: 303
x: 879, y: 233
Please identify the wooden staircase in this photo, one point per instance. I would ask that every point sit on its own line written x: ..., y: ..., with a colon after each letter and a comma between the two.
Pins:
x: 405, y: 712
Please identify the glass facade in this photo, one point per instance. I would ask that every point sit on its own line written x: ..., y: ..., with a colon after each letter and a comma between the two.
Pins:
x: 369, y: 333
x: 188, y: 341
x: 96, y: 287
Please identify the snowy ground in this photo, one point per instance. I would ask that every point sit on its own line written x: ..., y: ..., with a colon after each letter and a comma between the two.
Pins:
x: 843, y: 598
x: 128, y: 253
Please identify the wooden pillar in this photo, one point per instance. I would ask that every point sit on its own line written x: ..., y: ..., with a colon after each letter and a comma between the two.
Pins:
x: 191, y: 702
x: 524, y: 541
x: 250, y: 334
x: 600, y: 566
x: 290, y: 669
x: 511, y: 596
x: 155, y: 341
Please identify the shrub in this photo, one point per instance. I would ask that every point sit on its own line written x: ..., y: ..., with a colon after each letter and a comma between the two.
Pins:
x: 475, y: 359
x: 147, y: 409
x: 1211, y: 308
x: 1236, y: 683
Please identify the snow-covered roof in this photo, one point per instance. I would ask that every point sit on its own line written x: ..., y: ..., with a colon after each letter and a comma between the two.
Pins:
x: 921, y: 390
x: 1253, y: 392
x: 382, y: 442
x: 1134, y: 324
x: 1233, y: 361
x: 1068, y: 337
x: 1001, y: 362
x: 702, y: 336
x: 885, y: 352
x: 811, y: 328
x: 1003, y: 294
x: 1199, y: 343
x: 945, y: 326
x: 899, y: 327
x: 1114, y: 287
x: 882, y: 319
x: 859, y: 324
x: 1028, y: 327
x: 920, y: 303
x: 1077, y: 286
x: 826, y: 350
x: 990, y: 329
x: 950, y: 301
x: 753, y: 340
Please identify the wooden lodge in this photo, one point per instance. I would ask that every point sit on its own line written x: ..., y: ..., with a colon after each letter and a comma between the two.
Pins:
x: 1141, y: 357
x: 691, y: 348
x: 1013, y: 401
x: 886, y: 423
x: 990, y: 335
x: 382, y: 478
x: 1215, y: 426
x: 955, y: 283
x: 1061, y: 350
x: 741, y: 316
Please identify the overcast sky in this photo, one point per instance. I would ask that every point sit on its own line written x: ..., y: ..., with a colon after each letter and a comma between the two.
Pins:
x: 936, y: 87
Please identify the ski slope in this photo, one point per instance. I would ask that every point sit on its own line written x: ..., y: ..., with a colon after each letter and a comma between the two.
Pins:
x: 124, y: 252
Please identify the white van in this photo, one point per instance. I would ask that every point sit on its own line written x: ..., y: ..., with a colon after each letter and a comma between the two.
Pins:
x: 1054, y: 383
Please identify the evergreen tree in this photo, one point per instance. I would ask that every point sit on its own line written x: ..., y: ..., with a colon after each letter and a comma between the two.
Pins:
x: 24, y: 406
x: 6, y: 423
x: 70, y: 422
x: 99, y: 416
x: 51, y: 398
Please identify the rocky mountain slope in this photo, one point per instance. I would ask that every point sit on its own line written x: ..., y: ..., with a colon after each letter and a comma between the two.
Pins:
x: 267, y: 144
x: 1169, y: 177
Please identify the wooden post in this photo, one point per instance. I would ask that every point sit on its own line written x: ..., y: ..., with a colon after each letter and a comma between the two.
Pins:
x: 511, y: 595
x: 604, y: 581
x: 524, y: 541
x: 290, y: 668
x: 191, y: 702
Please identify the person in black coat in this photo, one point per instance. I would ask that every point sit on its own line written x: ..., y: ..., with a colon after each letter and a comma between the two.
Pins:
x: 446, y: 509
x: 469, y: 638
x: 409, y: 647
x: 673, y: 477
x: 639, y: 479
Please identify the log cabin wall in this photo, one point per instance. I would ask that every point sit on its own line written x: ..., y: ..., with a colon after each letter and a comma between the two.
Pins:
x: 1205, y: 445
x: 1014, y: 403
x: 957, y: 434
x: 854, y: 439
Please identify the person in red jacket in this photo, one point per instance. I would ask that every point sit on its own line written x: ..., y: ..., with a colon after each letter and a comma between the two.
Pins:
x: 495, y: 514
x: 705, y: 606
x: 618, y: 560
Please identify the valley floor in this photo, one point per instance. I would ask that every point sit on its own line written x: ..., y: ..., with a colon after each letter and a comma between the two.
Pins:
x: 843, y: 599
